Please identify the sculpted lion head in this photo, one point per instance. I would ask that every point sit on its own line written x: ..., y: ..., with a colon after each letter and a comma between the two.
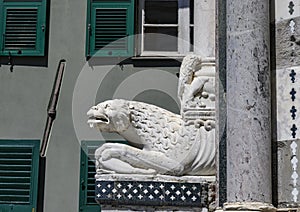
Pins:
x: 110, y: 116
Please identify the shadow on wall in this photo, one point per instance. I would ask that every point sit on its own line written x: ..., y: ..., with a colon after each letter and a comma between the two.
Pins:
x: 159, y: 99
x: 135, y: 61
x: 24, y: 61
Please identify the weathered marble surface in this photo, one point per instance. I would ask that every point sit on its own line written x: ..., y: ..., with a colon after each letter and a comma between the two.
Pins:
x: 156, y: 178
x: 287, y: 43
x: 204, y: 24
x: 248, y: 102
x: 249, y: 206
x: 284, y: 86
x: 286, y: 183
x: 282, y: 10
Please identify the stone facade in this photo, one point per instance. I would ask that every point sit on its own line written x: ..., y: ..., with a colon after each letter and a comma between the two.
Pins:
x: 287, y: 102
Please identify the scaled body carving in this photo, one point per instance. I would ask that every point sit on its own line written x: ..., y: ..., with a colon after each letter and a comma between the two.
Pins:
x: 161, y: 142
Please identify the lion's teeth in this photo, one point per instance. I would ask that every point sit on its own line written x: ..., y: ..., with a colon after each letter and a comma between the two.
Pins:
x: 91, y: 125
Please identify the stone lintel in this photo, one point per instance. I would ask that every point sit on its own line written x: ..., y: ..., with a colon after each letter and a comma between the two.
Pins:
x: 289, y: 209
x: 249, y: 206
x: 155, y: 178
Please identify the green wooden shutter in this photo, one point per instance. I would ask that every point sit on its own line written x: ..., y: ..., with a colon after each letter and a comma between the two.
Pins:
x: 87, y: 201
x: 109, y: 25
x: 23, y: 27
x: 18, y: 175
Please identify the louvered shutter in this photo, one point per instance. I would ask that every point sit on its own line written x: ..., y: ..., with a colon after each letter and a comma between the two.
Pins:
x: 109, y: 25
x: 18, y: 175
x: 87, y: 177
x: 23, y: 27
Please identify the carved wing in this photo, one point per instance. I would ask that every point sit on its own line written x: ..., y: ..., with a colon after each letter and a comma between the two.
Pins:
x: 188, y: 67
x: 157, y: 126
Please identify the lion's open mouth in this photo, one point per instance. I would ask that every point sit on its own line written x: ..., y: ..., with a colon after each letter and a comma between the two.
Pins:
x: 97, y: 119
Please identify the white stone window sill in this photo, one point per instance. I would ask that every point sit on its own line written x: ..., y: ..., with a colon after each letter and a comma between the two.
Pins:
x: 160, y: 55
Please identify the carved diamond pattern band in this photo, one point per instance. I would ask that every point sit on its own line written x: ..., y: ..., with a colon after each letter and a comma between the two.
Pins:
x: 151, y: 193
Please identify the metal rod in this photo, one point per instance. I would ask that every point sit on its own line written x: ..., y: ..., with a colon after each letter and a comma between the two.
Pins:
x: 51, y: 110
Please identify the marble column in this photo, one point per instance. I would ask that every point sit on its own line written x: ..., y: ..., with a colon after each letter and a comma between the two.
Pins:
x: 248, y: 105
x: 204, y: 28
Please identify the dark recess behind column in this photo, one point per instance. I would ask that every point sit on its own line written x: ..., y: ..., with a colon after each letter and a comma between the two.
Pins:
x: 274, y: 101
x: 221, y: 44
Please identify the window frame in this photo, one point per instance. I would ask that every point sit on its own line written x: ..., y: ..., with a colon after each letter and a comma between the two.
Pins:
x: 184, y: 26
x: 91, y: 51
x: 41, y: 6
x: 84, y: 206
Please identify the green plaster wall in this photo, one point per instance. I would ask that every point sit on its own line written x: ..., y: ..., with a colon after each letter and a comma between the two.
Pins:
x: 25, y: 94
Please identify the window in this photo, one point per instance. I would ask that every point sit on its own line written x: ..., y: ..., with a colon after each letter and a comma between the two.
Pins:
x: 87, y: 201
x: 22, y: 27
x: 19, y: 162
x: 109, y: 24
x: 166, y: 27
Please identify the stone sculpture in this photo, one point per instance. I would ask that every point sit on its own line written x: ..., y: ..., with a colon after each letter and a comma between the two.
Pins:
x: 161, y: 142
x: 196, y: 83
